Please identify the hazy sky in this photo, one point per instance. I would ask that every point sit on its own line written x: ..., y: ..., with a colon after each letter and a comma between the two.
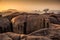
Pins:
x: 27, y: 5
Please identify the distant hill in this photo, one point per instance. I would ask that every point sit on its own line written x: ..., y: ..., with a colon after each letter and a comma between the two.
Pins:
x: 55, y: 11
x: 8, y: 12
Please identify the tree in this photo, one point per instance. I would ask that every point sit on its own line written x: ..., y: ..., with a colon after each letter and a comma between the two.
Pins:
x: 46, y: 10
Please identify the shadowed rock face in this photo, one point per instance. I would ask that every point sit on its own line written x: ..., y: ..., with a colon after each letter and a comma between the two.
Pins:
x: 4, y: 25
x: 55, y: 19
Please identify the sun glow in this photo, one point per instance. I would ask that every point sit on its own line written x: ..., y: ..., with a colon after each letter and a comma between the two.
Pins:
x: 26, y: 6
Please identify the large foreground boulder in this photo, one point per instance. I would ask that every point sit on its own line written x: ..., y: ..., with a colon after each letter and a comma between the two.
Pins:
x: 27, y: 23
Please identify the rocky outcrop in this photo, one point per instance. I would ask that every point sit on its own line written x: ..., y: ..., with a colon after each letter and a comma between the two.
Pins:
x: 4, y: 25
x: 4, y: 37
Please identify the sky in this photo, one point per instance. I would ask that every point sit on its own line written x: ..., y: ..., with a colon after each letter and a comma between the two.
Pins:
x: 28, y: 5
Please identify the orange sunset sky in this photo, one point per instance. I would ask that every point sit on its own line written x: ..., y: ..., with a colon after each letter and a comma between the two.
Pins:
x: 28, y: 5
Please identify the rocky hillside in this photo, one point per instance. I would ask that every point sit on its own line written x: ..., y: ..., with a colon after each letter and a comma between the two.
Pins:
x: 29, y: 26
